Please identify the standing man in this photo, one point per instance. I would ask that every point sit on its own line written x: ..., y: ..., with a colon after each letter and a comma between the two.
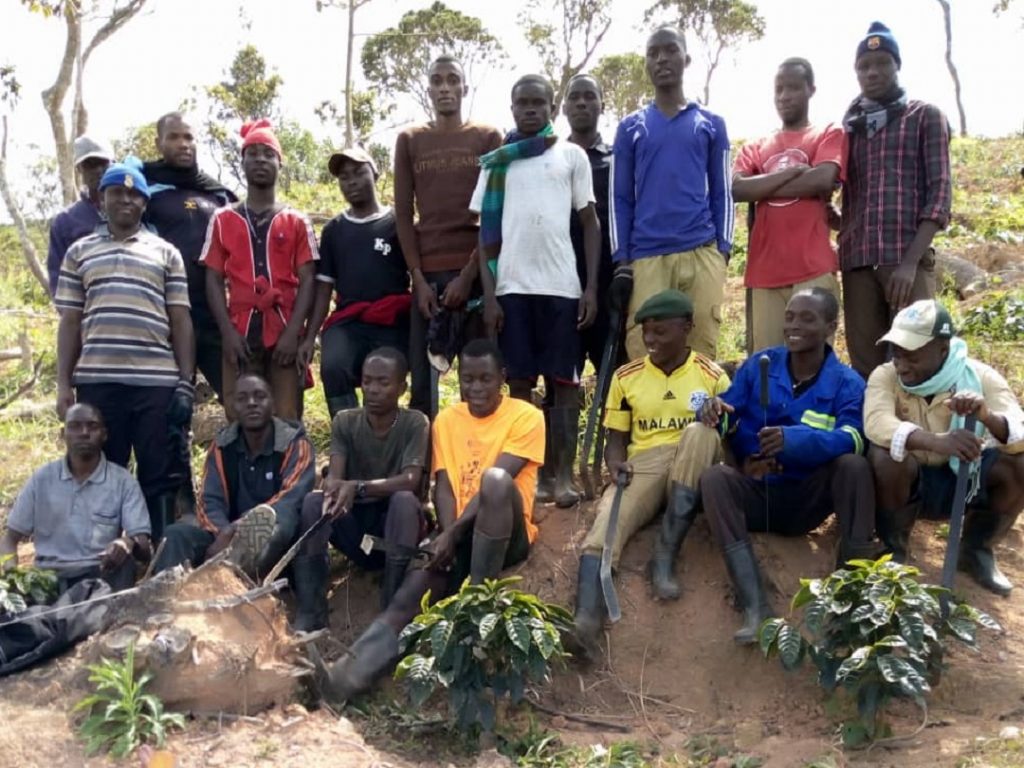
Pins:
x: 486, y: 450
x: 672, y: 210
x: 182, y: 201
x: 583, y: 107
x: 914, y: 414
x: 533, y: 301
x: 361, y: 263
x: 82, y: 217
x: 124, y: 342
x: 263, y: 252
x: 372, y: 488
x: 87, y: 517
x: 797, y: 460
x: 790, y: 175
x: 436, y: 167
x: 896, y: 197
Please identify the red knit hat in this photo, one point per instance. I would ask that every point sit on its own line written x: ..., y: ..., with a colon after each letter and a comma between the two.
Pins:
x: 260, y: 132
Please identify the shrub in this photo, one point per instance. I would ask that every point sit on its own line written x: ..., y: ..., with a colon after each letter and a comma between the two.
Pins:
x: 874, y: 631
x: 121, y: 716
x: 482, y: 643
x: 22, y: 586
x: 1000, y: 317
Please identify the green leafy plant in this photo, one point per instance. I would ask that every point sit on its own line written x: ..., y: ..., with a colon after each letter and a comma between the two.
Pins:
x: 22, y: 586
x: 1000, y: 317
x: 875, y: 632
x: 482, y: 643
x: 121, y: 716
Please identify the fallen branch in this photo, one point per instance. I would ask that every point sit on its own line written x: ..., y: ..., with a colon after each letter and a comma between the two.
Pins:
x: 592, y: 722
x: 25, y: 387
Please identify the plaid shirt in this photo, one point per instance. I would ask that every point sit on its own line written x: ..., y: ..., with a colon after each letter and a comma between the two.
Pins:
x: 894, y: 181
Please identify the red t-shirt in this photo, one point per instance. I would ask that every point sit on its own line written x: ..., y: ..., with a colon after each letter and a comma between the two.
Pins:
x: 790, y: 242
x: 271, y: 288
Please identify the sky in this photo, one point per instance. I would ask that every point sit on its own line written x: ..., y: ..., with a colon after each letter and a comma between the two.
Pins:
x: 151, y: 65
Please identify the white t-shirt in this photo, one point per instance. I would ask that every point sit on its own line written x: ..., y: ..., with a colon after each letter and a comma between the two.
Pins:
x: 540, y: 194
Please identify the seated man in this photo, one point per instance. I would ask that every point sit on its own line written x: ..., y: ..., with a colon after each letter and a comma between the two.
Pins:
x: 257, y: 472
x: 798, y: 458
x: 650, y: 402
x: 486, y: 451
x: 87, y: 516
x: 914, y: 414
x: 372, y: 488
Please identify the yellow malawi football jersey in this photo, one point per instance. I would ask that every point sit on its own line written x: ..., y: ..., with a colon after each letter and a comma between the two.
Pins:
x: 655, y: 408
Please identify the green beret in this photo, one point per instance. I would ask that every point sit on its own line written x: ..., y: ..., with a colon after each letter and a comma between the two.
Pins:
x: 664, y: 305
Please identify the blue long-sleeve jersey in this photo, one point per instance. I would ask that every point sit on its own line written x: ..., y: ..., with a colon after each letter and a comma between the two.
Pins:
x: 821, y: 424
x: 672, y: 189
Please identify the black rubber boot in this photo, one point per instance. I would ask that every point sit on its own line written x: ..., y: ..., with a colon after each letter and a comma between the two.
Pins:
x: 546, y: 475
x: 341, y: 403
x: 894, y: 526
x: 370, y: 656
x: 679, y: 515
x: 161, y: 514
x: 982, y: 530
x: 488, y: 557
x: 564, y: 437
x: 309, y: 580
x: 850, y: 550
x: 746, y: 577
x: 590, y: 608
x: 395, y: 565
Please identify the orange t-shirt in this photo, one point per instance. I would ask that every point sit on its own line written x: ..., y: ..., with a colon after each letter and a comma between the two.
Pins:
x: 791, y: 241
x: 465, y: 447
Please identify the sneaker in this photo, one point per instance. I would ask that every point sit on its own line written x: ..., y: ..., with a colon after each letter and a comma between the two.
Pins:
x: 252, y: 532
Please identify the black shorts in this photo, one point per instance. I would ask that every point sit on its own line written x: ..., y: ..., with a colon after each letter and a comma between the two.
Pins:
x: 936, y: 486
x: 539, y: 338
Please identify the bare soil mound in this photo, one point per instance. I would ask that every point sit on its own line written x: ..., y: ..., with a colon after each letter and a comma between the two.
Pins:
x: 672, y: 671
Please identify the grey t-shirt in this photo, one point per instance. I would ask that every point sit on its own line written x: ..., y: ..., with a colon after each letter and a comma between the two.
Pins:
x: 368, y: 457
x: 73, y: 523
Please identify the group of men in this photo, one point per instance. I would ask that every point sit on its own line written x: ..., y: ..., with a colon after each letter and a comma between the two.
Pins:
x: 521, y: 256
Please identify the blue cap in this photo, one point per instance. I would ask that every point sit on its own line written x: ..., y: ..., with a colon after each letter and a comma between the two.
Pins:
x: 121, y: 174
x: 879, y: 38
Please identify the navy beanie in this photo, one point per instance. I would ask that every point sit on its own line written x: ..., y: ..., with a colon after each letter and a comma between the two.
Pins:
x: 879, y: 38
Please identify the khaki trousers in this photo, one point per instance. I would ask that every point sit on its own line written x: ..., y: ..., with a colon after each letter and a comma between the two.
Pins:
x: 700, y: 274
x: 284, y: 381
x: 654, y: 472
x: 766, y: 309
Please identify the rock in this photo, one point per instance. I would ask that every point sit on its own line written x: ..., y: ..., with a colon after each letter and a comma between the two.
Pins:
x: 962, y: 272
x: 492, y: 759
x: 1009, y: 732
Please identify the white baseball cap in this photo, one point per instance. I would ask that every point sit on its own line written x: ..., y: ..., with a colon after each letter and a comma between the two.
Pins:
x: 916, y: 325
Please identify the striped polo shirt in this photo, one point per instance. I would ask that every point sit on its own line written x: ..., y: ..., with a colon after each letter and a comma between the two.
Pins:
x: 123, y: 289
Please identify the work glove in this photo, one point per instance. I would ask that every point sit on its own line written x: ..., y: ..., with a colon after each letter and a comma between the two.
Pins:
x: 621, y: 287
x: 179, y: 410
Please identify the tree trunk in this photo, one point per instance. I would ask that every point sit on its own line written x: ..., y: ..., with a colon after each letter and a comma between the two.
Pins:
x: 349, y: 130
x: 712, y: 66
x: 28, y: 248
x: 947, y: 19
x: 53, y: 103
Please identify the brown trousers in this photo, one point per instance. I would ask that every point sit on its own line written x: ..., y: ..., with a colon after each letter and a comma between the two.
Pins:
x: 867, y: 314
x: 285, y: 384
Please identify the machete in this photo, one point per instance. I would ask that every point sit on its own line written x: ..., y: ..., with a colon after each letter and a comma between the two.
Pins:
x: 604, y: 377
x: 611, y: 600
x: 956, y: 525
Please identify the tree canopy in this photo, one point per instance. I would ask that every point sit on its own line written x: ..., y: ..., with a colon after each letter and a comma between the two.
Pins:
x: 396, y: 60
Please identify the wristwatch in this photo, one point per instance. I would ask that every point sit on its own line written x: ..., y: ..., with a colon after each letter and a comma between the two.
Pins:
x: 361, y: 489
